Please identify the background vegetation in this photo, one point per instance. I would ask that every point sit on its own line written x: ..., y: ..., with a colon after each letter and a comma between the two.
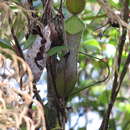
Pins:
x: 103, y: 59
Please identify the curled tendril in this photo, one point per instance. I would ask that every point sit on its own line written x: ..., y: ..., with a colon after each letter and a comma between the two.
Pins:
x: 96, y: 82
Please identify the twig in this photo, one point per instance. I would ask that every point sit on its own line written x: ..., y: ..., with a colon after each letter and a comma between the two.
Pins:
x: 123, y: 73
x: 117, y: 78
x: 20, y: 53
x: 17, y: 45
x: 43, y: 2
x: 110, y: 13
x: 93, y: 17
x: 30, y: 2
x: 47, y: 12
x: 61, y: 4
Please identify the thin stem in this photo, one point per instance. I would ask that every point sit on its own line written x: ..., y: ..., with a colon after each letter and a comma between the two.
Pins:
x: 97, y: 82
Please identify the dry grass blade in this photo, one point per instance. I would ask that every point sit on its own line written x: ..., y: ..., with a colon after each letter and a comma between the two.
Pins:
x: 16, y: 95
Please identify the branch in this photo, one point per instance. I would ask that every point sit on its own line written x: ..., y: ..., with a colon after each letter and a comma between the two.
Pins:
x: 123, y: 73
x: 117, y: 78
x: 110, y: 13
x: 20, y: 53
x: 47, y: 12
x: 43, y: 2
x: 93, y: 17
x: 61, y: 4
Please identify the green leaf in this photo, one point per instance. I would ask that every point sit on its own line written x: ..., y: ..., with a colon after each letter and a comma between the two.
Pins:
x: 122, y: 99
x: 56, y: 49
x: 83, y: 128
x: 5, y: 44
x: 124, y: 107
x: 19, y: 22
x: 16, y: 0
x: 21, y: 37
x: 74, y: 25
x: 29, y: 41
x: 92, y: 44
x: 115, y: 3
x: 104, y: 97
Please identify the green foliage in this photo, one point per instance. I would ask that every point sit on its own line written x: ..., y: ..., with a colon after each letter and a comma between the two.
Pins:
x: 28, y: 43
x: 115, y: 4
x: 95, y: 42
x: 92, y: 45
x: 57, y: 50
x: 5, y: 44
